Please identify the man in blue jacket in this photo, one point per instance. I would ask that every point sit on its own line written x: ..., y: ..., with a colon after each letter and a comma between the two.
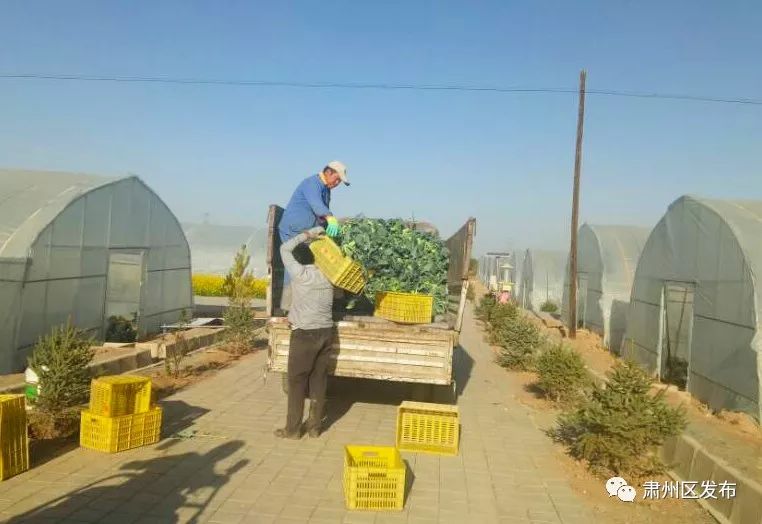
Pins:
x: 310, y: 207
x: 310, y: 203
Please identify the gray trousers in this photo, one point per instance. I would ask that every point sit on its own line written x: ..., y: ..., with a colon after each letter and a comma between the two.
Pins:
x: 308, y: 359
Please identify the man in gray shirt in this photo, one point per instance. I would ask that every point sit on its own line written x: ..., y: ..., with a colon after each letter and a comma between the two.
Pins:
x: 312, y: 333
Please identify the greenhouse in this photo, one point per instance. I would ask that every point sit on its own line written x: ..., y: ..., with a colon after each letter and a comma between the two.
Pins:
x: 606, y: 261
x: 213, y: 247
x: 693, y: 317
x: 85, y: 248
x: 542, y: 278
x: 491, y: 267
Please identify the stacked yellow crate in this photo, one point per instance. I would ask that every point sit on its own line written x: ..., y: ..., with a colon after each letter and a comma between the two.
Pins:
x: 121, y: 416
x: 14, y: 443
x: 374, y: 476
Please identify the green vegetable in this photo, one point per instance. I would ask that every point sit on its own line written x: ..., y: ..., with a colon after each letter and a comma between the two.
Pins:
x: 397, y: 258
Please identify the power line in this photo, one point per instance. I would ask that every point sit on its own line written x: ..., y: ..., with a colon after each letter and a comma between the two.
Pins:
x: 375, y: 86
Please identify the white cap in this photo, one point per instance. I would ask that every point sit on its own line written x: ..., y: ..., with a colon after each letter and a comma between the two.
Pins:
x: 341, y: 169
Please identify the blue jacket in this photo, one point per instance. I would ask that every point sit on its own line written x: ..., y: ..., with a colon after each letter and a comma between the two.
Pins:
x: 309, y: 202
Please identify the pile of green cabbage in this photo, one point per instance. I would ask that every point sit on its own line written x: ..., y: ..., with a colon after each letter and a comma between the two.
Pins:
x: 397, y: 258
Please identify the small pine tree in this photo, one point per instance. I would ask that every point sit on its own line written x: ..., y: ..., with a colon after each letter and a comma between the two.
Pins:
x: 519, y: 340
x: 619, y: 428
x: 562, y: 375
x: 486, y: 303
x: 238, y: 317
x: 61, y: 361
x: 549, y: 307
x: 121, y: 329
x: 239, y: 282
x: 500, y: 320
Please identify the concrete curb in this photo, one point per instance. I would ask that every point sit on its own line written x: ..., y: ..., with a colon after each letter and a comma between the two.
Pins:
x: 196, y: 338
x: 145, y: 355
x: 689, y: 460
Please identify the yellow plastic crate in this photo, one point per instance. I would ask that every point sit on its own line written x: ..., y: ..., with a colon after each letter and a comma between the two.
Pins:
x: 430, y: 428
x: 114, y: 434
x: 374, y: 478
x: 119, y: 395
x: 342, y: 271
x: 14, y: 443
x: 408, y: 308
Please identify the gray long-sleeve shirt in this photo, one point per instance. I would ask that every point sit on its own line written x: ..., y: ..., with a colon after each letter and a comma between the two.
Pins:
x: 311, y: 291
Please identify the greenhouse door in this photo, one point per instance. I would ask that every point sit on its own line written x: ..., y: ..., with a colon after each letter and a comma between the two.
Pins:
x: 123, y: 285
x: 582, y: 301
x: 676, y: 333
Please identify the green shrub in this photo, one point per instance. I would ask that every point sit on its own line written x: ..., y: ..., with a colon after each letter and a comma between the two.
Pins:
x: 619, y: 428
x: 486, y: 303
x: 519, y: 340
x: 238, y: 285
x: 562, y: 376
x: 238, y: 317
x: 500, y: 322
x: 44, y: 425
x: 500, y: 313
x: 61, y: 362
x: 240, y: 332
x: 121, y: 329
x: 549, y: 307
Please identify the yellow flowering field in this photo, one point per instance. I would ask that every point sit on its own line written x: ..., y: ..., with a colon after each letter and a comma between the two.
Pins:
x: 206, y: 285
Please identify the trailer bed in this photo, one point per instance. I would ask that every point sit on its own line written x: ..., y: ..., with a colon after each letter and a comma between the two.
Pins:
x: 374, y: 348
x: 378, y: 351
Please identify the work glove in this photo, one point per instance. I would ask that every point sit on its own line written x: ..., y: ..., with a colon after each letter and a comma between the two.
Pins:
x: 333, y: 228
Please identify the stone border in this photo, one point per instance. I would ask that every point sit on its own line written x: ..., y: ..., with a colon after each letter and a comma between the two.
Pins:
x: 690, y: 460
x: 145, y: 355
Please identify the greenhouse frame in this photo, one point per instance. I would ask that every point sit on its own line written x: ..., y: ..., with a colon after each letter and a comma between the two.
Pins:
x: 694, y: 315
x: 83, y: 248
x: 542, y: 278
x: 607, y: 256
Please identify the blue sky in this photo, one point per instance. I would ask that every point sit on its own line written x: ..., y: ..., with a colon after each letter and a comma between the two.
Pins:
x: 442, y: 156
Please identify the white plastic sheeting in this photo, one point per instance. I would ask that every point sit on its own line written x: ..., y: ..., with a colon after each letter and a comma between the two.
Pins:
x: 542, y: 278
x: 518, y: 266
x: 696, y: 297
x: 606, y: 260
x: 72, y: 247
x: 213, y: 247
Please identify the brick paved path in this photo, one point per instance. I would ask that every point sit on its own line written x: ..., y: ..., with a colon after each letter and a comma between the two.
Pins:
x: 233, y: 470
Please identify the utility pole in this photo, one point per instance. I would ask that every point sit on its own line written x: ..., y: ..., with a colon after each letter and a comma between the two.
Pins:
x: 575, y: 210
